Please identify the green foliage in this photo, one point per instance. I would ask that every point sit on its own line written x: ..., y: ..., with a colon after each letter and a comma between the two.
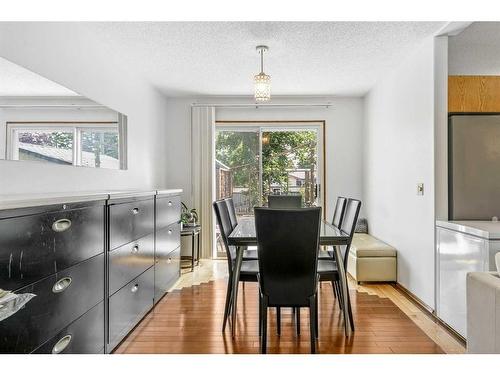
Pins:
x: 53, y: 139
x: 188, y: 215
x: 240, y: 152
x: 284, y: 150
x: 281, y: 150
x: 101, y: 142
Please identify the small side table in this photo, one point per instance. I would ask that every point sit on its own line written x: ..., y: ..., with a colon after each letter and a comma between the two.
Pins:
x: 194, y: 233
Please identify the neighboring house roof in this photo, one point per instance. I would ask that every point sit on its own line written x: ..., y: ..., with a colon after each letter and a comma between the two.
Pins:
x: 66, y: 155
x: 240, y: 190
x: 298, y: 175
x: 221, y: 165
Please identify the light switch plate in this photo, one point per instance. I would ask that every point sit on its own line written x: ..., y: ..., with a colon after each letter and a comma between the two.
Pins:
x: 420, y: 188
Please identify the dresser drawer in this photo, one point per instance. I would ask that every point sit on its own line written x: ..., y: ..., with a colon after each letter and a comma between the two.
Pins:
x: 84, y: 336
x: 129, y: 305
x: 168, y: 210
x: 35, y: 246
x: 59, y: 300
x: 130, y: 221
x: 167, y: 271
x: 168, y: 239
x: 129, y: 261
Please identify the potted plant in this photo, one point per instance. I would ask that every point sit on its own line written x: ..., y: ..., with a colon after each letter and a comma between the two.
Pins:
x: 189, y: 217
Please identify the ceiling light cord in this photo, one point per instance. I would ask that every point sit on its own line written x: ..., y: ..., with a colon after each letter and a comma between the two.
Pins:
x: 262, y: 60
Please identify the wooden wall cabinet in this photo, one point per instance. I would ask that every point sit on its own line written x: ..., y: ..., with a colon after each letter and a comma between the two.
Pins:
x: 473, y: 94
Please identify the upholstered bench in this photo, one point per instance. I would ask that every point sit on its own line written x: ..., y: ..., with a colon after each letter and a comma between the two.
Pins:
x: 371, y: 259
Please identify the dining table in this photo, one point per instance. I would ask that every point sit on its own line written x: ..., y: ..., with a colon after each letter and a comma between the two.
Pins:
x: 243, y: 235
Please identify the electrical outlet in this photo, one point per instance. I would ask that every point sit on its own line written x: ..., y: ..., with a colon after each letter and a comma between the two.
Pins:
x: 420, y: 188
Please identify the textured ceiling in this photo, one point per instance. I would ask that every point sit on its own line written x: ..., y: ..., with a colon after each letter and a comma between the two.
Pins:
x: 219, y: 58
x: 18, y: 81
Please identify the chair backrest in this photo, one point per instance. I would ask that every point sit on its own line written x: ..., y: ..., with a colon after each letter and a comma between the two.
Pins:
x: 349, y: 225
x: 284, y: 201
x: 338, y: 214
x: 224, y: 223
x: 232, y: 212
x: 288, y: 245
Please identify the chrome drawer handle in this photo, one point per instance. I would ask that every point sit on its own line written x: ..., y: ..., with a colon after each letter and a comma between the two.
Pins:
x: 135, y: 249
x: 62, y: 285
x: 61, y: 344
x: 169, y: 203
x: 135, y: 211
x: 61, y: 225
x: 169, y: 260
x: 135, y: 288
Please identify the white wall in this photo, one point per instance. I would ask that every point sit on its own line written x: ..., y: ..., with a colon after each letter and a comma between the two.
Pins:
x: 399, y: 153
x: 70, y: 55
x: 344, y: 122
x: 476, y: 50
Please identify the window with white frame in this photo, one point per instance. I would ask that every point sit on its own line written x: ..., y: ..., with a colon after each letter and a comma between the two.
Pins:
x: 93, y: 145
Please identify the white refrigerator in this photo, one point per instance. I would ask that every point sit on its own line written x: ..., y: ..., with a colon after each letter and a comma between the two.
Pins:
x: 462, y: 247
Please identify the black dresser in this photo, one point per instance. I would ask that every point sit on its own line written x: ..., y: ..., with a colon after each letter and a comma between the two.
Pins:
x: 131, y: 262
x: 56, y: 254
x: 86, y: 267
x: 168, y: 242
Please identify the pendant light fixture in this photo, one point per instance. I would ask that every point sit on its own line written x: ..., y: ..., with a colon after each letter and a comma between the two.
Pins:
x: 262, y: 81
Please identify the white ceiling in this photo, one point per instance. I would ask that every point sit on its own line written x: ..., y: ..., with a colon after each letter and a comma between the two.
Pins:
x: 18, y: 81
x: 219, y: 58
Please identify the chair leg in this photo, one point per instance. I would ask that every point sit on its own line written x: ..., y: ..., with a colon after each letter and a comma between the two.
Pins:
x: 278, y: 320
x: 316, y: 317
x: 227, y: 307
x: 297, y: 320
x: 337, y: 292
x: 312, y: 323
x: 263, y: 337
x: 349, y: 310
x: 343, y: 304
x: 260, y: 315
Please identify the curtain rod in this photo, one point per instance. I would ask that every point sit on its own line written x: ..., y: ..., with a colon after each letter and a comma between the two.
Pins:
x: 51, y: 106
x: 257, y: 105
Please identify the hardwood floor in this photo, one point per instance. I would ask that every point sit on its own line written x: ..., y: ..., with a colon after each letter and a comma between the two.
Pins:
x: 189, y: 320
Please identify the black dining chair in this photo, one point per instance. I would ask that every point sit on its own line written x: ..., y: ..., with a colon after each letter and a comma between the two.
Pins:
x: 288, y: 244
x: 284, y: 201
x: 232, y: 212
x: 338, y: 213
x: 250, y: 253
x: 338, y: 216
x: 249, y: 268
x: 327, y: 268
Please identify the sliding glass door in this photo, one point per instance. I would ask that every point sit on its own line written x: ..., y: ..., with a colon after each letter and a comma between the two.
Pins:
x: 253, y: 160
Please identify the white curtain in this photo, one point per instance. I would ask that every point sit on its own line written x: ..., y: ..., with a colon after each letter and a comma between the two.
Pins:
x: 202, y: 179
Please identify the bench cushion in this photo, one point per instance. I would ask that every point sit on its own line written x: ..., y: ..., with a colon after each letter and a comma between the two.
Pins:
x: 364, y: 245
